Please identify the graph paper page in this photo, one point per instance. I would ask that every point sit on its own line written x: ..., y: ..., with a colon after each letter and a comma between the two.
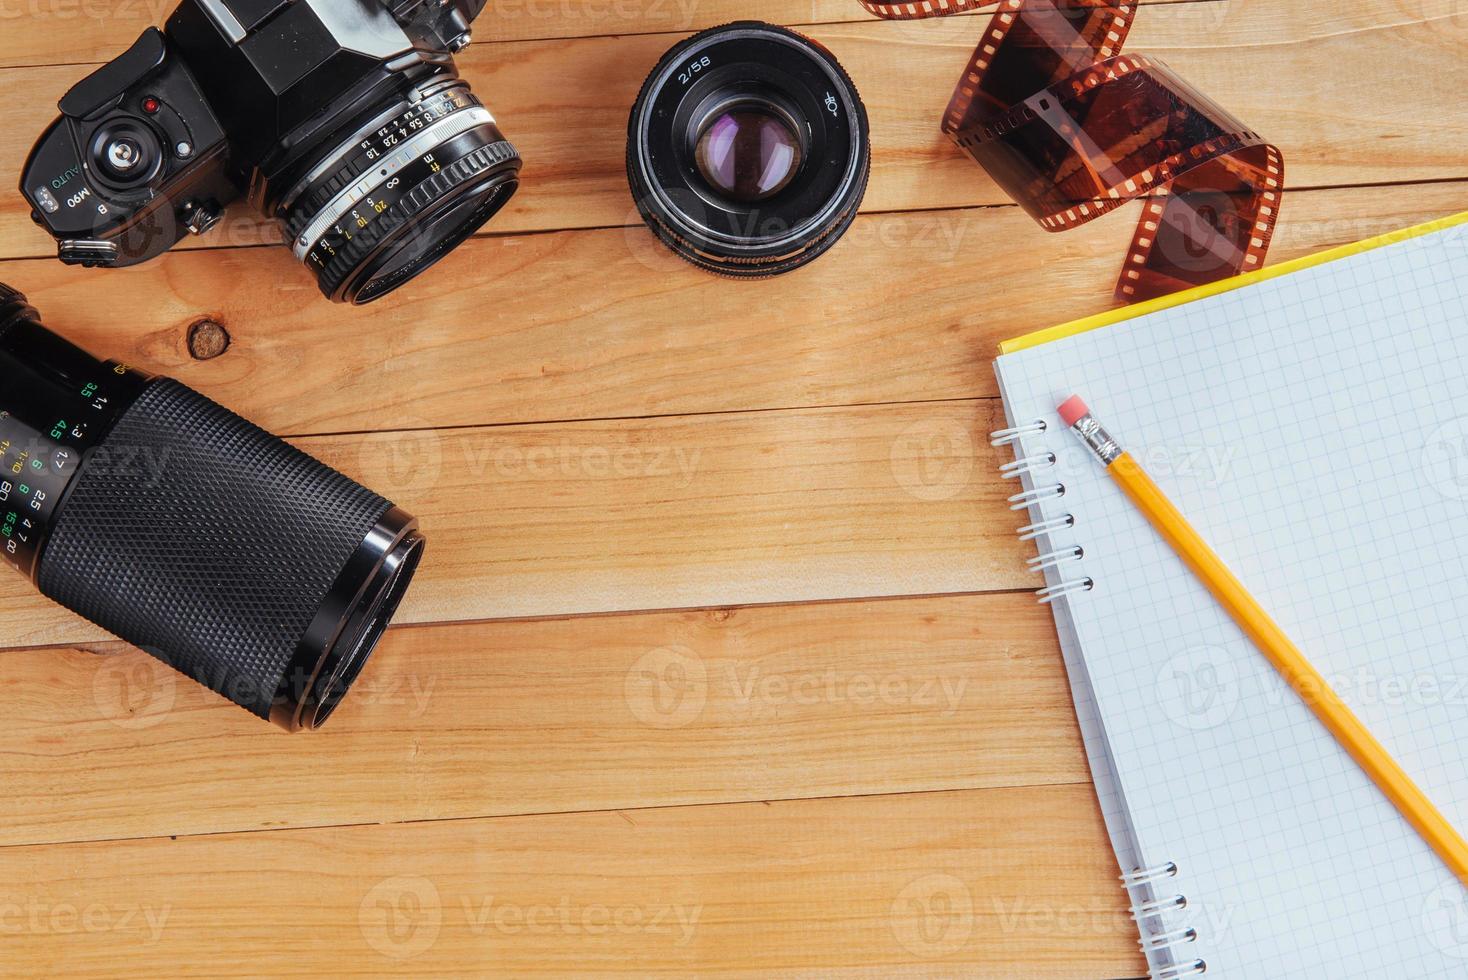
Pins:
x: 1314, y: 428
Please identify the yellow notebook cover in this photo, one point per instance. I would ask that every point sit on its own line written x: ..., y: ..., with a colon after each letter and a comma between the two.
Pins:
x: 1124, y: 313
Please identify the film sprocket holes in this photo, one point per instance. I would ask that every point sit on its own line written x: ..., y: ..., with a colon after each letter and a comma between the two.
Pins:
x: 178, y: 526
x: 1072, y: 129
x: 344, y: 120
x: 747, y: 150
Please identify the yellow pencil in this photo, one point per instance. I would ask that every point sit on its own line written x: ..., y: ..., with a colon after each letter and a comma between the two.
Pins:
x: 1307, y: 682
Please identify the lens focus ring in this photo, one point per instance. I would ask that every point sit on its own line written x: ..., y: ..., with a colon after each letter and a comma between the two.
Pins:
x: 336, y: 259
x: 375, y: 214
x: 367, y: 152
x: 215, y: 556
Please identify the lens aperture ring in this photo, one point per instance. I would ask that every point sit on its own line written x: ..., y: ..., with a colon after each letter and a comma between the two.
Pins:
x: 371, y: 150
x: 416, y: 160
x: 337, y: 254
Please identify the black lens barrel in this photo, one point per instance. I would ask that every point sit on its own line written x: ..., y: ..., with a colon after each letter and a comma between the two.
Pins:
x: 743, y: 76
x: 193, y: 534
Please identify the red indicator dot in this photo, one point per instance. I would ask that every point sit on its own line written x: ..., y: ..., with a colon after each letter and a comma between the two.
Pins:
x: 151, y: 105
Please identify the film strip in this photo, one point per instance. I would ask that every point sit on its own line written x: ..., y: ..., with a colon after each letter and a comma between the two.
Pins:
x: 1072, y: 129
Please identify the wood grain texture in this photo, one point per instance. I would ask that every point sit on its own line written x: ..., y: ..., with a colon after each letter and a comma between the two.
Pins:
x: 981, y: 884
x: 607, y: 324
x: 58, y: 32
x: 1353, y: 116
x: 537, y: 717
x: 760, y: 507
x: 751, y: 783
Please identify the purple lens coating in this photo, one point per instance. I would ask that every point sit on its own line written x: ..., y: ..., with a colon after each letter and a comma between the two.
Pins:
x: 748, y: 154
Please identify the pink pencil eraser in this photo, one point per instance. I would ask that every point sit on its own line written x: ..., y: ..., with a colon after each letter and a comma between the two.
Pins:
x: 1073, y: 410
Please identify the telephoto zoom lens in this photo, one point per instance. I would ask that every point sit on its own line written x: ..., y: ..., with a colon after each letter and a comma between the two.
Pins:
x: 185, y: 530
x: 748, y: 151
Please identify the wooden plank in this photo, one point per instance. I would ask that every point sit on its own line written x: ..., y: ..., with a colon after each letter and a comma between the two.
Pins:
x: 64, y: 32
x: 1353, y: 118
x: 982, y: 884
x: 762, y: 507
x: 607, y: 324
x: 713, y: 706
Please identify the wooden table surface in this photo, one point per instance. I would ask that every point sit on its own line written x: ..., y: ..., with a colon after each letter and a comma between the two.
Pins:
x: 722, y: 661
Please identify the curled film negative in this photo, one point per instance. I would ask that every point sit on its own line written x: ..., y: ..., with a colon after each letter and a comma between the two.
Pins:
x: 1072, y: 129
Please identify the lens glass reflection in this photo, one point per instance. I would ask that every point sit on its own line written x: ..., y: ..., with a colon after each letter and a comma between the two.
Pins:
x: 748, y: 154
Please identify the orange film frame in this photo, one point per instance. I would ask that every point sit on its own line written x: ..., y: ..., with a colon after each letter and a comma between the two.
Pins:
x: 1072, y: 129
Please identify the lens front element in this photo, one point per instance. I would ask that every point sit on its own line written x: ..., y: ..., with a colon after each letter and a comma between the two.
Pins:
x: 749, y: 154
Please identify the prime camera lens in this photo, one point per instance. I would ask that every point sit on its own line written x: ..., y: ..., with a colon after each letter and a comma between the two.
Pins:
x: 747, y: 150
x: 180, y: 527
x: 401, y: 187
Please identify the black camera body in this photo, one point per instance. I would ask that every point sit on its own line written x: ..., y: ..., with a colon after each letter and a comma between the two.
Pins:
x: 344, y: 120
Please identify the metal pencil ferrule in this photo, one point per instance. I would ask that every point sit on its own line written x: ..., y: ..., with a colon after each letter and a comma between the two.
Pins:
x: 1097, y: 439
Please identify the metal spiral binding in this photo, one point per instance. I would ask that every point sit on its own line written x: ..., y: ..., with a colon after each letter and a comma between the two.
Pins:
x: 1032, y: 531
x: 1026, y: 466
x: 1005, y: 437
x: 1029, y: 464
x: 1140, y: 879
x: 1165, y: 941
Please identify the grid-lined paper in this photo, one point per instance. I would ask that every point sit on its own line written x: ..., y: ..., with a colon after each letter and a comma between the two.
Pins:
x: 1314, y: 428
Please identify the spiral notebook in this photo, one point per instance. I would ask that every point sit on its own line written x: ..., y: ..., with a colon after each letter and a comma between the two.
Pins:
x: 1311, y: 422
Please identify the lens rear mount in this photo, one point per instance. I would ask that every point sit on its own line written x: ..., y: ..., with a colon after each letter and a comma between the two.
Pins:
x: 788, y: 171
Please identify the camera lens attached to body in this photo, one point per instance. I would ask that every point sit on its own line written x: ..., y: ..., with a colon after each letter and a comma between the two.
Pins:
x: 748, y: 150
x: 178, y: 526
x: 344, y: 120
x: 399, y: 193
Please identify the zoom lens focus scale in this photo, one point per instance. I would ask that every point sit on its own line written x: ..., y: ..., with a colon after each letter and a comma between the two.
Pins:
x: 187, y: 531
